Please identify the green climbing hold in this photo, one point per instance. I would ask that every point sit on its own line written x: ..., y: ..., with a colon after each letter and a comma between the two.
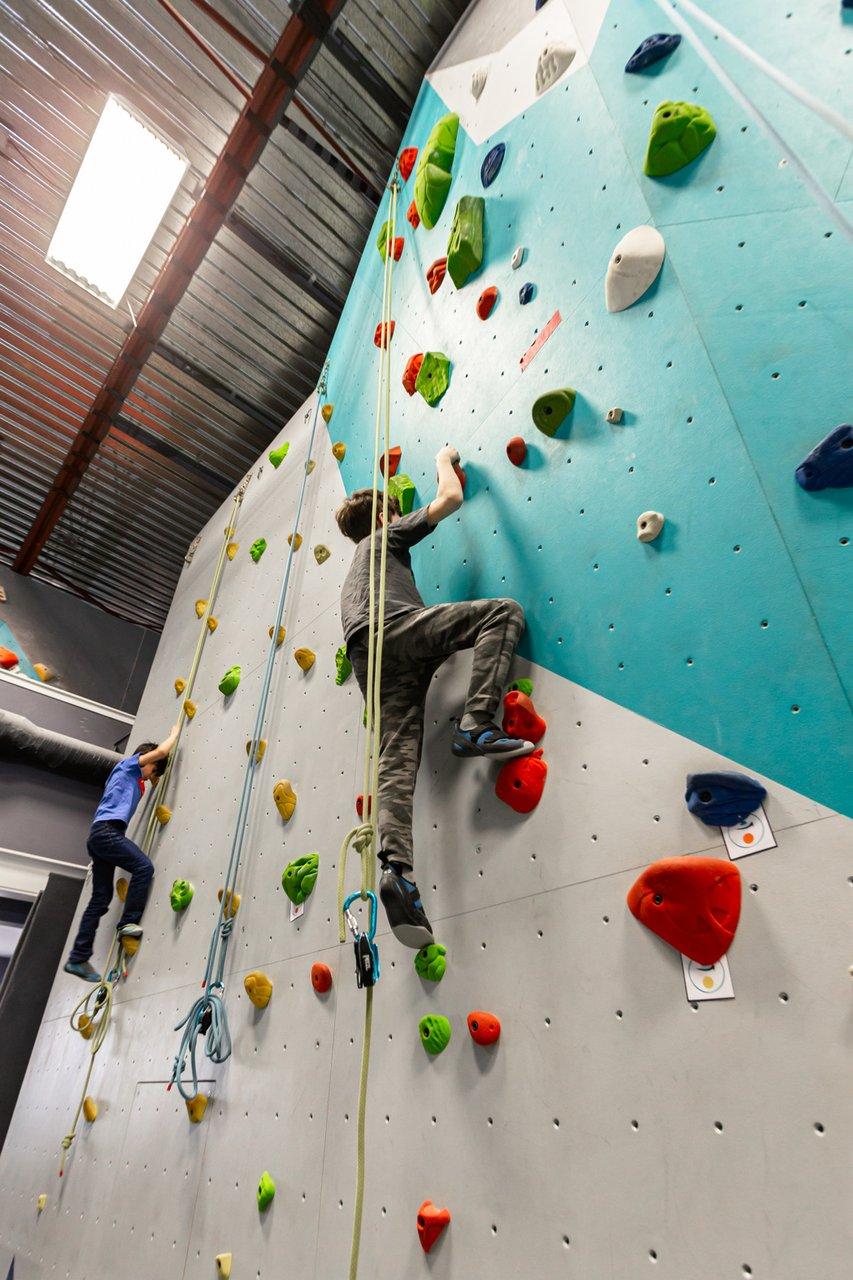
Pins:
x: 300, y: 876
x: 230, y: 680
x: 434, y: 377
x: 257, y: 549
x: 435, y: 1032
x: 465, y: 247
x: 343, y: 666
x: 181, y: 895
x: 266, y: 1191
x: 680, y: 132
x: 402, y: 488
x: 431, y: 962
x: 523, y: 685
x: 435, y: 167
x: 277, y: 456
x: 552, y: 408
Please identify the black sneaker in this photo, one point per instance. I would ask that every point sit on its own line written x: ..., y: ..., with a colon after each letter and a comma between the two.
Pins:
x: 402, y: 902
x: 488, y: 740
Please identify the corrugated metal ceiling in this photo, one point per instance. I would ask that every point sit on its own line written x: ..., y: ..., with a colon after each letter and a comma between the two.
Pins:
x: 245, y: 345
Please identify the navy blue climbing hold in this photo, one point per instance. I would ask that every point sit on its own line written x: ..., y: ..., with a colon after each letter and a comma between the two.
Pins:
x: 491, y: 166
x: 539, y: 4
x: 653, y: 48
x: 525, y: 293
x: 830, y: 463
x: 723, y: 799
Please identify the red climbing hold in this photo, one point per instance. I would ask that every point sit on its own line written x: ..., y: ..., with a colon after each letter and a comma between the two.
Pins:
x: 520, y: 718
x: 8, y: 659
x: 413, y: 215
x: 321, y: 978
x: 395, y: 453
x: 693, y: 903
x: 435, y: 274
x: 379, y: 339
x: 516, y: 451
x: 484, y: 1027
x: 359, y: 805
x: 397, y: 251
x: 486, y: 302
x: 408, y: 156
x: 431, y: 1223
x: 460, y: 475
x: 521, y: 782
x: 411, y: 371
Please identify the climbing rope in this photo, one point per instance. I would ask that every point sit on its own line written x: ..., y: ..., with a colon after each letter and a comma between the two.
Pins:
x: 91, y: 1016
x: 207, y: 1015
x: 363, y: 838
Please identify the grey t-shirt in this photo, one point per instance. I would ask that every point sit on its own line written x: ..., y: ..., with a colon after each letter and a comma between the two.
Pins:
x: 401, y: 594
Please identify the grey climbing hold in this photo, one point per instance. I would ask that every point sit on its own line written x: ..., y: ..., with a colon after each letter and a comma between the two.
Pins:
x: 517, y: 257
x: 553, y: 61
x: 649, y: 525
x: 614, y: 415
x: 633, y: 267
x: 478, y: 80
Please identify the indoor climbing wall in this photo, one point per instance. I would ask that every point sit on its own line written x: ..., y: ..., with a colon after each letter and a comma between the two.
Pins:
x: 623, y: 1121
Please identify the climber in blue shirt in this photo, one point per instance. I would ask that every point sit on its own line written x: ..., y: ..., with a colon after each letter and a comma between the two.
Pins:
x: 109, y: 848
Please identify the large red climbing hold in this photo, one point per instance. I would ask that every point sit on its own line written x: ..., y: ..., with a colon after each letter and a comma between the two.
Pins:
x: 395, y: 453
x: 520, y: 717
x: 693, y: 903
x: 321, y: 978
x: 435, y: 274
x: 516, y: 451
x: 484, y: 1027
x: 521, y: 782
x: 408, y: 156
x: 413, y: 216
x: 411, y: 371
x: 486, y: 302
x: 379, y: 338
x: 431, y: 1223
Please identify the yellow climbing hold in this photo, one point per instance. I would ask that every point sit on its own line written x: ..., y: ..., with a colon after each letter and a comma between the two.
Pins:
x: 327, y: 411
x: 259, y: 749
x: 90, y: 1109
x: 232, y: 549
x: 189, y: 709
x: 285, y: 799
x: 309, y: 466
x: 44, y: 672
x: 279, y: 640
x: 131, y: 945
x: 121, y: 888
x: 162, y: 813
x: 232, y: 902
x: 212, y: 624
x: 196, y: 1107
x: 200, y: 606
x: 296, y: 539
x: 321, y: 553
x: 230, y: 530
x: 305, y: 658
x: 223, y: 1265
x: 41, y: 1203
x: 85, y: 1026
x: 258, y: 988
x: 339, y: 450
x: 180, y: 685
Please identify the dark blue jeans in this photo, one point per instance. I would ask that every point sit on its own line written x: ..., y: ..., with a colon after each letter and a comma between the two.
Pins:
x: 109, y: 848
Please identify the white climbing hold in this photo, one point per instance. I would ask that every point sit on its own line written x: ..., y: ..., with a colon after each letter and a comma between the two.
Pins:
x: 614, y: 415
x: 553, y: 61
x: 649, y: 525
x: 633, y: 267
x: 517, y: 257
x: 478, y: 79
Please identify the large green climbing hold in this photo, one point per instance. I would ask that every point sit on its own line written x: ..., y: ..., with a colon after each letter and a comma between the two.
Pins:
x: 552, y: 408
x: 266, y: 1191
x: 680, y: 132
x: 435, y: 167
x: 434, y: 377
x: 431, y: 962
x: 277, y: 456
x: 181, y: 895
x: 465, y: 247
x: 435, y: 1032
x: 343, y: 666
x: 230, y: 680
x: 257, y: 549
x: 523, y: 685
x: 402, y: 488
x: 300, y: 876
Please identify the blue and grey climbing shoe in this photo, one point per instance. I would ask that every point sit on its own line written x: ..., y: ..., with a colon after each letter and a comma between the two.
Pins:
x: 488, y: 740
x: 402, y: 902
x: 130, y: 931
x: 82, y: 969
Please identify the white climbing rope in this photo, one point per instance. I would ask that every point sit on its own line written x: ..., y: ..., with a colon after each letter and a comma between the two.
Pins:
x: 821, y: 196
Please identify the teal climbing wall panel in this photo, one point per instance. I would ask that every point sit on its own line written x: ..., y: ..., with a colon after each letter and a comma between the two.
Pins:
x: 730, y: 628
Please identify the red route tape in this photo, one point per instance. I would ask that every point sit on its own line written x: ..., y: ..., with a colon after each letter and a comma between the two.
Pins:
x: 540, y: 340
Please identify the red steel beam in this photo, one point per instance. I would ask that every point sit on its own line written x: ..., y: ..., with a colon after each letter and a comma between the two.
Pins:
x: 274, y: 90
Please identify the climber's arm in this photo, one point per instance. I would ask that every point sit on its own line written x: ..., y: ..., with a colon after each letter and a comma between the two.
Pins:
x: 449, y: 496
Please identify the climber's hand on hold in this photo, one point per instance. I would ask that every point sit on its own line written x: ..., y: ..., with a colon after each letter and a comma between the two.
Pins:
x: 449, y: 496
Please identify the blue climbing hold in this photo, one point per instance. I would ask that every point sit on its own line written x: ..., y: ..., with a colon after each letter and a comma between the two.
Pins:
x: 723, y: 799
x: 539, y: 4
x: 491, y: 166
x: 526, y: 292
x: 830, y: 463
x: 653, y: 48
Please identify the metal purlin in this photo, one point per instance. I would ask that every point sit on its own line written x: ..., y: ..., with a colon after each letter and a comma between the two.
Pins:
x: 208, y: 1013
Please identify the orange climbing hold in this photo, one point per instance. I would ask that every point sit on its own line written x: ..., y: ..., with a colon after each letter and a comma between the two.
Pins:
x: 431, y: 1223
x: 413, y: 216
x: 359, y: 806
x: 379, y: 337
x: 484, y: 1027
x: 321, y: 978
x: 408, y: 156
x: 436, y: 273
x: 395, y: 453
x: 411, y: 371
x: 521, y: 782
x: 520, y: 717
x: 486, y: 302
x: 692, y: 903
x: 516, y: 451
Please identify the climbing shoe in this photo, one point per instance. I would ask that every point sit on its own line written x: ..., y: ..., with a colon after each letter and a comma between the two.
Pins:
x: 488, y: 740
x: 130, y: 931
x: 82, y: 969
x: 402, y: 902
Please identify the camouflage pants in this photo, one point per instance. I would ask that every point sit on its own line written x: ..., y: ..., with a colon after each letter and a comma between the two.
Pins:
x: 415, y: 646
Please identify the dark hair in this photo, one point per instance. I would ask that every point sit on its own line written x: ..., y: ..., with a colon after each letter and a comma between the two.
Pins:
x: 353, y: 516
x: 143, y: 748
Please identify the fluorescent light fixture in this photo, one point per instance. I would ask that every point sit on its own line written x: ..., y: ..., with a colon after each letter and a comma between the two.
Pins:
x: 125, y: 185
